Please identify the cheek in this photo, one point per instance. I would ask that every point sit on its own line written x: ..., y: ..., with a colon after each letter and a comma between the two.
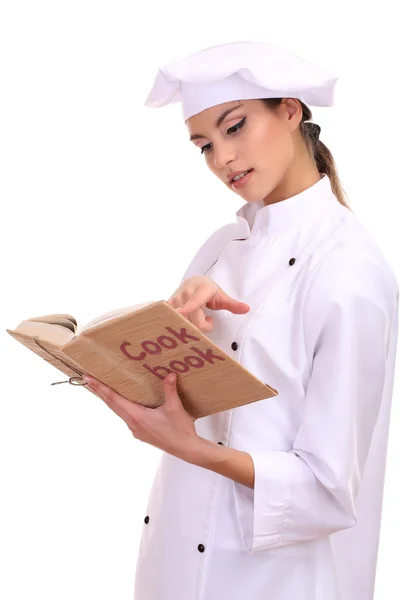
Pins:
x: 270, y: 145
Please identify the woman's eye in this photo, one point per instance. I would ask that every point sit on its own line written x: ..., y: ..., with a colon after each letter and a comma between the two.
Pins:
x: 204, y: 148
x: 234, y: 129
x: 237, y: 126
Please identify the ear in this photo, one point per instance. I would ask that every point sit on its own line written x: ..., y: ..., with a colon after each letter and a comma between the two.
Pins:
x: 293, y: 112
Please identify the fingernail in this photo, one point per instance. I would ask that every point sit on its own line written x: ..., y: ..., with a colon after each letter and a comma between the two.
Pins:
x: 172, y: 378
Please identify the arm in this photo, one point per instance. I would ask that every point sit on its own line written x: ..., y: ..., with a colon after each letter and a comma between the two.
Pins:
x: 231, y: 463
x: 310, y: 491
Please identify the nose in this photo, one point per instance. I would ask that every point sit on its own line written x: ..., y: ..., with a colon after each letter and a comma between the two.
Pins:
x: 224, y: 153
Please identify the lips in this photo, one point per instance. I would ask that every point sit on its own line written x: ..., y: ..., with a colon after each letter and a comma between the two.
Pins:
x: 235, y: 173
x: 240, y: 183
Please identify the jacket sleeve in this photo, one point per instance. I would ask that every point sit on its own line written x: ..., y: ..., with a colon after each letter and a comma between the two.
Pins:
x: 310, y: 491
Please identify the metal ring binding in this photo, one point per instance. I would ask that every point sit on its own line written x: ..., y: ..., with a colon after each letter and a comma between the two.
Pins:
x: 71, y: 381
x: 76, y: 380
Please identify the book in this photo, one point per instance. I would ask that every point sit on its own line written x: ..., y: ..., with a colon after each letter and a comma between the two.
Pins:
x: 133, y: 349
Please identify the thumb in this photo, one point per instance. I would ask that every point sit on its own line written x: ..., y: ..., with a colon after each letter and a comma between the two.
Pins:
x: 224, y: 301
x: 170, y: 391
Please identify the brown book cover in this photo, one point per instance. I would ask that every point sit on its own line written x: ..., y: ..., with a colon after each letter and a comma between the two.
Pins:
x: 133, y: 349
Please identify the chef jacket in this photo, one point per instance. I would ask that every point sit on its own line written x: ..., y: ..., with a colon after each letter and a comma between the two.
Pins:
x: 322, y: 331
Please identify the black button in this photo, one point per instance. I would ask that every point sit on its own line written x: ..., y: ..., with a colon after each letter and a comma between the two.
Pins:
x: 200, y: 548
x: 234, y: 346
x: 292, y: 261
x: 220, y: 443
x: 146, y: 520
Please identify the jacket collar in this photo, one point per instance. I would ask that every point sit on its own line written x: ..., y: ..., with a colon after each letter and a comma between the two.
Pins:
x: 287, y: 216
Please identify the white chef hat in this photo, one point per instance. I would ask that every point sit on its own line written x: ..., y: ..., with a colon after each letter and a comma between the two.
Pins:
x: 240, y: 71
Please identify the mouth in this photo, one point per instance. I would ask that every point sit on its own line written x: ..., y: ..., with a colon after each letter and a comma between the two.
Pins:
x: 237, y: 175
x: 240, y: 179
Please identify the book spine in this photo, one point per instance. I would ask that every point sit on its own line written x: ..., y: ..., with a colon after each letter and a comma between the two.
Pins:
x: 48, y: 352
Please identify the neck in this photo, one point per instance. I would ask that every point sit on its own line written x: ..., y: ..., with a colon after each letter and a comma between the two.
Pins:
x: 301, y: 174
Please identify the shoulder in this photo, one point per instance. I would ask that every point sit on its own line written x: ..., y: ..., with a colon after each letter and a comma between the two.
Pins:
x: 357, y: 243
x: 354, y: 269
x: 210, y: 250
x: 353, y: 293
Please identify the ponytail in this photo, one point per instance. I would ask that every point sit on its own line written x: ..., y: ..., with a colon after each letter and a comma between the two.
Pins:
x: 321, y: 154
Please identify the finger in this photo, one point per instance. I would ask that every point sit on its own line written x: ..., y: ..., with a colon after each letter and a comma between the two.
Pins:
x: 175, y: 302
x: 204, y: 294
x: 107, y: 395
x: 181, y: 295
x: 200, y: 321
x: 172, y: 301
x: 222, y: 300
x: 122, y: 406
x: 169, y: 384
x: 186, y: 295
x: 112, y: 405
x: 219, y: 300
x: 196, y: 317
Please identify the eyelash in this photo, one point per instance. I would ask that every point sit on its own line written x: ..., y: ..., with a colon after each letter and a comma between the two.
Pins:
x: 238, y: 126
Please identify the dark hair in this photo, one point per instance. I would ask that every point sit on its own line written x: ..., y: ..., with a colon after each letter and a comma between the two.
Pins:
x: 317, y: 149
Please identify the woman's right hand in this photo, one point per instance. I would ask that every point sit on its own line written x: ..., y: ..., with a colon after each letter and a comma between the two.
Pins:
x: 199, y: 292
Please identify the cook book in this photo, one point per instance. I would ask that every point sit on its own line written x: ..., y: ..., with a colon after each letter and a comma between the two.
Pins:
x: 132, y: 349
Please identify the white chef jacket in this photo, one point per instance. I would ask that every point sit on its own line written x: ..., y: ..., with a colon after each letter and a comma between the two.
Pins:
x: 322, y: 331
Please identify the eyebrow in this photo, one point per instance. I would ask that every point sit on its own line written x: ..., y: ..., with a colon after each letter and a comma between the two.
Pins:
x: 218, y: 122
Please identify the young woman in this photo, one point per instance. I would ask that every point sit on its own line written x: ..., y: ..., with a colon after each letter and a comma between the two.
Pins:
x: 280, y: 499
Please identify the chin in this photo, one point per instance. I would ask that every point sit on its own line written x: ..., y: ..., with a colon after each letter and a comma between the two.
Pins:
x: 250, y: 195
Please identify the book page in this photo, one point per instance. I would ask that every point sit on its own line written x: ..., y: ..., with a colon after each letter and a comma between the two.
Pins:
x: 111, y: 315
x: 55, y: 334
x: 63, y: 320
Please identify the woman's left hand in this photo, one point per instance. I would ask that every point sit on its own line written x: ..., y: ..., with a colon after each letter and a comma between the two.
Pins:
x: 168, y: 427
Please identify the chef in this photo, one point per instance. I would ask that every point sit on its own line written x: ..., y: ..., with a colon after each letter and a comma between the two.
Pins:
x: 280, y: 499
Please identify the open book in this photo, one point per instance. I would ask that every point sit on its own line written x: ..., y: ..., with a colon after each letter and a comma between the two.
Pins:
x: 132, y: 349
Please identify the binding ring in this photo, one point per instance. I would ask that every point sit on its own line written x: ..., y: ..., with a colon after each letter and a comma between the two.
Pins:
x: 72, y: 381
x: 76, y: 380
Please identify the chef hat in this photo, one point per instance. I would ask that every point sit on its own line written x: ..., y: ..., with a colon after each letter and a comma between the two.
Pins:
x: 240, y: 71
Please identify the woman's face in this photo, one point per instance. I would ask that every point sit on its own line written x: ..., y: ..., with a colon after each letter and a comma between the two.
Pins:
x: 237, y: 136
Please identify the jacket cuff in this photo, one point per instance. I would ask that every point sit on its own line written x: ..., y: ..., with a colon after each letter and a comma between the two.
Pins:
x: 261, y: 512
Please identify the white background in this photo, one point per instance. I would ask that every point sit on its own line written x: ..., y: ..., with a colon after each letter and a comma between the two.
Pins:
x: 103, y: 204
